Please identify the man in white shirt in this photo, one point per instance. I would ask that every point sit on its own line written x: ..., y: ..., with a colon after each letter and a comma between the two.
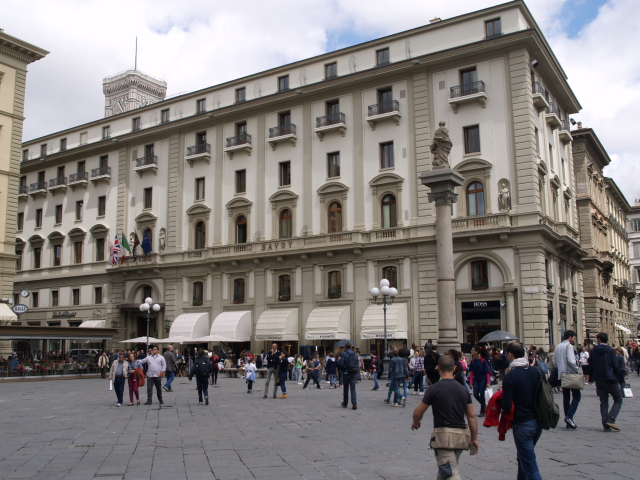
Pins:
x: 156, y: 366
x: 565, y: 360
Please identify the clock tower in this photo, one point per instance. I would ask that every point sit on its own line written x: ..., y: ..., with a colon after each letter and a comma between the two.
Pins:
x: 131, y: 89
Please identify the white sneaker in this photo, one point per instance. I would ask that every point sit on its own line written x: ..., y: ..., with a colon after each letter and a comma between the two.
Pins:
x: 404, y: 402
x: 118, y: 404
x: 395, y: 405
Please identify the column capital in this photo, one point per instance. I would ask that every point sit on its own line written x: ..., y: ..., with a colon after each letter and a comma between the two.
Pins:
x: 443, y: 198
x: 442, y: 183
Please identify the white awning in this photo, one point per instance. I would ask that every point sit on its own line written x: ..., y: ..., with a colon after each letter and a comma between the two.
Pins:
x: 189, y: 326
x: 624, y: 329
x: 329, y: 323
x: 140, y: 340
x: 373, y: 322
x: 278, y: 324
x: 7, y: 314
x: 94, y: 324
x: 230, y: 327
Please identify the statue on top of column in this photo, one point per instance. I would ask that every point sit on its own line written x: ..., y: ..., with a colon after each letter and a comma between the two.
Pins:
x: 441, y: 147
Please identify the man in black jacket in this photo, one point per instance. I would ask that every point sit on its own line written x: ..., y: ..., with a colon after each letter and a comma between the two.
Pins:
x: 603, y: 370
x: 201, y: 368
x: 273, y: 360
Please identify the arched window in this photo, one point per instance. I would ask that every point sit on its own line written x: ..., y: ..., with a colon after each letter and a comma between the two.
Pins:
x: 284, y: 288
x: 391, y: 274
x: 200, y: 236
x: 335, y: 284
x: 475, y: 199
x: 241, y: 229
x: 238, y: 290
x: 335, y: 217
x: 389, y: 215
x: 198, y: 290
x: 286, y: 223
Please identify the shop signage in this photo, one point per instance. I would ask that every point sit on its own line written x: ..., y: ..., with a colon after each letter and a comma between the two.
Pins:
x: 390, y: 335
x: 314, y: 336
x: 277, y: 245
x: 481, y: 305
x: 64, y: 314
x: 20, y: 308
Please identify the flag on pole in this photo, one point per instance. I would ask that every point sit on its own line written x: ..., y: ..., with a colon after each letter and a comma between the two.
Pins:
x: 136, y: 242
x: 146, y: 243
x: 111, y: 253
x: 125, y: 244
x: 117, y: 251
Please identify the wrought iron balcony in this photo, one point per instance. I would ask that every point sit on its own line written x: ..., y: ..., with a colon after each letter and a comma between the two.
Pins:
x: 198, y: 149
x: 38, y: 186
x: 553, y: 115
x: 538, y: 89
x: 238, y: 298
x: 335, y: 292
x: 540, y: 96
x: 328, y: 120
x: 78, y: 177
x: 495, y: 35
x: 100, y: 171
x: 467, y: 89
x: 238, y: 140
x: 553, y: 108
x: 565, y: 131
x: 23, y: 190
x: 146, y: 161
x: 280, y: 130
x: 58, y: 182
x: 384, y: 107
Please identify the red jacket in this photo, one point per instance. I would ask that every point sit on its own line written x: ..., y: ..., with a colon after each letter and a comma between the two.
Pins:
x: 496, y: 417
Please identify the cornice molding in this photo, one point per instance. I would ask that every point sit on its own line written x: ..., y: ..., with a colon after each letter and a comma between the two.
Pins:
x: 19, y: 49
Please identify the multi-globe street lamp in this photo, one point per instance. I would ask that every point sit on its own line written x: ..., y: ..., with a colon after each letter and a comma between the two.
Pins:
x: 146, y: 308
x: 386, y: 291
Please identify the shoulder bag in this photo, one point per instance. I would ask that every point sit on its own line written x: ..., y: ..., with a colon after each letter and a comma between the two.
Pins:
x: 571, y: 381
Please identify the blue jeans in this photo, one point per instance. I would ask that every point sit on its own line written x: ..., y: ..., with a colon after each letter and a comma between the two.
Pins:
x: 203, y: 387
x: 570, y: 407
x: 350, y: 384
x: 118, y: 386
x: 396, y: 382
x: 376, y: 385
x: 283, y: 378
x: 526, y: 436
x: 170, y: 376
x: 332, y: 379
x: 341, y: 377
x: 417, y: 380
x: 479, y: 386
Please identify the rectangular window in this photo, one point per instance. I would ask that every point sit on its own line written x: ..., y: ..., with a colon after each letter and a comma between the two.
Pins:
x: 25, y: 154
x: 333, y: 164
x: 35, y: 299
x: 382, y: 57
x: 23, y: 181
x: 102, y: 206
x: 79, y: 209
x: 148, y: 197
x: 77, y: 252
x: 285, y: 173
x: 41, y: 177
x: 149, y: 150
x: 55, y: 298
x: 492, y: 28
x: 75, y: 293
x: 20, y: 219
x: 241, y: 181
x: 333, y: 107
x: 97, y: 293
x: 83, y: 138
x: 58, y: 214
x: 480, y: 280
x: 100, y: 249
x: 37, y: 256
x: 135, y: 124
x: 43, y: 150
x: 201, y: 138
x: 104, y: 161
x: 201, y: 105
x: 386, y: 155
x: 38, y: 217
x: 283, y: 83
x: 106, y: 132
x: 199, y: 188
x: 241, y: 95
x: 467, y: 78
x: 82, y: 166
x: 57, y: 255
x: 164, y: 116
x: 18, y: 264
x: 63, y: 144
x: 537, y: 140
x: 636, y: 250
x: 60, y: 172
x: 551, y: 156
x: 284, y: 118
x: 472, y: 139
x: 331, y: 70
x: 385, y: 95
x: 241, y: 129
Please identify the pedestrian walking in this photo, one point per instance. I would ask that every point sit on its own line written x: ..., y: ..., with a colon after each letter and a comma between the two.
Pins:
x: 417, y: 365
x: 156, y: 366
x: 398, y: 373
x: 349, y: 365
x: 134, y: 379
x: 566, y: 363
x: 431, y: 357
x: 250, y: 374
x: 361, y: 365
x: 636, y: 358
x: 603, y: 369
x: 299, y: 365
x: 622, y: 368
x: 450, y: 437
x: 520, y: 388
x: 170, y: 360
x: 273, y: 360
x: 118, y: 374
x: 583, y: 359
x: 479, y: 375
x: 214, y: 368
x: 313, y: 372
x: 331, y: 368
x: 375, y: 370
x: 103, y: 364
x: 283, y: 372
x: 201, y: 369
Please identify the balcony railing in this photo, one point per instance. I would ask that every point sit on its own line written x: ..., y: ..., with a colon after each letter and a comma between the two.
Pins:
x: 198, y: 149
x: 57, y: 182
x: 467, y: 89
x: 100, y: 171
x: 284, y: 297
x: 135, y: 129
x: 384, y: 107
x: 495, y: 35
x: 147, y: 160
x: 78, y: 177
x: 196, y: 302
x: 281, y: 130
x: 38, y: 186
x: 553, y: 109
x: 479, y: 284
x: 243, y: 139
x: 23, y: 190
x: 335, y: 292
x: 331, y: 119
x: 564, y: 125
x: 238, y: 298
x: 539, y: 89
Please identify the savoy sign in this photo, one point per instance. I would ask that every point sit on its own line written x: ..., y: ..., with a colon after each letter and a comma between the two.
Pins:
x: 20, y: 308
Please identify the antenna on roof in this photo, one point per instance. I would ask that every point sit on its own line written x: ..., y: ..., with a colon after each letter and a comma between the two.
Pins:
x: 136, y: 62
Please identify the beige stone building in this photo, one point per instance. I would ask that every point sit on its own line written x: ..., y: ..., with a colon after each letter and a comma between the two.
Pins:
x: 15, y: 55
x: 274, y: 202
x: 633, y: 227
x: 602, y: 213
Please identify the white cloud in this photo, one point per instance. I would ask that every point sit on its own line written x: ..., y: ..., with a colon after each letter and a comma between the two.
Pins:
x: 194, y: 44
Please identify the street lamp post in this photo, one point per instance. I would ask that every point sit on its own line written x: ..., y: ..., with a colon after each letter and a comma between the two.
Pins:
x: 385, y: 291
x: 146, y: 308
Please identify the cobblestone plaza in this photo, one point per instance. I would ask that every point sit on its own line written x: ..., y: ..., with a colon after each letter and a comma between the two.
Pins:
x: 72, y: 430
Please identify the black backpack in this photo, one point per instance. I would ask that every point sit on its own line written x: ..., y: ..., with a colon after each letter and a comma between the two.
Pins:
x: 203, y: 367
x: 352, y: 363
x: 546, y: 407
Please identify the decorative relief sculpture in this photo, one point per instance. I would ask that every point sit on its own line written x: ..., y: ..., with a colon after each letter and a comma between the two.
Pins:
x: 407, y: 49
x: 352, y: 64
x: 177, y: 112
x: 303, y: 77
x: 441, y: 147
x: 162, y: 239
x: 504, y: 198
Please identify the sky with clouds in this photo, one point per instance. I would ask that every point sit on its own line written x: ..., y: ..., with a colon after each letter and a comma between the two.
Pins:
x: 193, y: 44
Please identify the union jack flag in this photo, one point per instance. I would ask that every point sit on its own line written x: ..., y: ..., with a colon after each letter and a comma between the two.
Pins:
x: 116, y: 251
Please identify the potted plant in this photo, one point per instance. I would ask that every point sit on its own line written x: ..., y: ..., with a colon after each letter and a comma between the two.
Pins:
x: 562, y: 289
x: 575, y: 294
x: 549, y: 285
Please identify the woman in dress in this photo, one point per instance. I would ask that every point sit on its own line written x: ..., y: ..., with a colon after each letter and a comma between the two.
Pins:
x: 133, y: 379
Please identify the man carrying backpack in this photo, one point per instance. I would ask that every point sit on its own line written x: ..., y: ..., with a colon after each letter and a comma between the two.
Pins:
x: 520, y: 387
x: 350, y: 365
x: 201, y: 368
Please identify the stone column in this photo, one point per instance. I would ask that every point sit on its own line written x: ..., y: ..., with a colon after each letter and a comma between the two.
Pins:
x: 442, y: 183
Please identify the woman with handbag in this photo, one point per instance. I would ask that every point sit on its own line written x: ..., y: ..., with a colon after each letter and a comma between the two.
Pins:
x: 133, y: 379
x: 570, y: 377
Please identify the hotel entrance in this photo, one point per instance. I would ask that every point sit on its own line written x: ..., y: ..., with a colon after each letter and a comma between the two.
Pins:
x: 480, y: 318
